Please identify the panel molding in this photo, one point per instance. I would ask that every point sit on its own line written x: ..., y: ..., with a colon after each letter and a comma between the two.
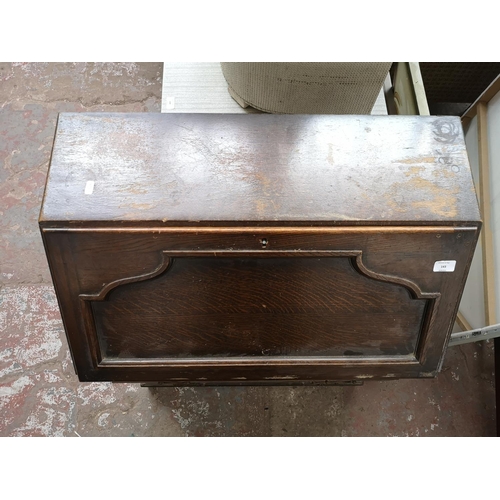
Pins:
x: 164, y: 265
x: 166, y: 261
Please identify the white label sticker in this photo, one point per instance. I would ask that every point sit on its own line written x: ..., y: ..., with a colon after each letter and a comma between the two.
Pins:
x: 170, y: 102
x: 444, y: 266
x: 89, y: 187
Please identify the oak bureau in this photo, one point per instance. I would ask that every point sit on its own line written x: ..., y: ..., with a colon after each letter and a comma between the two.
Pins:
x: 258, y: 249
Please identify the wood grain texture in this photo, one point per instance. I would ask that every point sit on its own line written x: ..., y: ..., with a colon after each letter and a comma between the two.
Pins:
x: 264, y: 250
x: 463, y: 323
x: 490, y: 92
x: 189, y: 169
x: 229, y: 306
x: 101, y: 258
x: 485, y: 204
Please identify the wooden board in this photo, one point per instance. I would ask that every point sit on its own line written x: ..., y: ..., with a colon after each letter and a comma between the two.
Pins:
x: 485, y: 206
x: 191, y: 169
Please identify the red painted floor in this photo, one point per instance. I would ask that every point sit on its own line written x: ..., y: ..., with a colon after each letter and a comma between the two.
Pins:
x: 39, y: 392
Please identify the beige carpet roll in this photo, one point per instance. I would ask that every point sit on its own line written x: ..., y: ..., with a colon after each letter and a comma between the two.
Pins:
x: 334, y: 88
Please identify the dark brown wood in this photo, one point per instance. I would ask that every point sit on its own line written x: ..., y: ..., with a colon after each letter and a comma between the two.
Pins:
x: 258, y: 306
x: 219, y: 170
x: 264, y: 278
x: 202, y: 383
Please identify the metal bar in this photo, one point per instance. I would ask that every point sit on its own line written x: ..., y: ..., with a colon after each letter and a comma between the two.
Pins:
x: 488, y: 332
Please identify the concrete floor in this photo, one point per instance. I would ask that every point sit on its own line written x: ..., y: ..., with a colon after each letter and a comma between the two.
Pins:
x: 39, y: 392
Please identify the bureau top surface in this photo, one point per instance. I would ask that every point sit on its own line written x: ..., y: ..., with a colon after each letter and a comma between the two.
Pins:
x: 208, y: 169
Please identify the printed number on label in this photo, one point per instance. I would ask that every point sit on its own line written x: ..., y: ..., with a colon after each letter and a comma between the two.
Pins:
x: 444, y: 266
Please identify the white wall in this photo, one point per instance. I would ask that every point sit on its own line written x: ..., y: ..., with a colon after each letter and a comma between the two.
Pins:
x: 494, y: 152
x: 472, y: 305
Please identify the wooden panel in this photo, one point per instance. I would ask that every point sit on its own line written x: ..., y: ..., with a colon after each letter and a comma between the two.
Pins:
x: 185, y: 169
x: 274, y: 306
x: 91, y: 262
x: 408, y: 90
x: 485, y: 202
x: 484, y: 98
x: 257, y: 248
x: 472, y: 303
x: 463, y: 323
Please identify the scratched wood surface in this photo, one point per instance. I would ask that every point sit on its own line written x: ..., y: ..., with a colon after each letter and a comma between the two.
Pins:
x: 257, y: 248
x: 191, y: 169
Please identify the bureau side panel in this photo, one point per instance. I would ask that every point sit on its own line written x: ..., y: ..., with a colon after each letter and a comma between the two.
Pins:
x: 64, y: 271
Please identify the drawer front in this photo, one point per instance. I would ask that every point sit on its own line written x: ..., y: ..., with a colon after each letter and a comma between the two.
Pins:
x: 249, y: 305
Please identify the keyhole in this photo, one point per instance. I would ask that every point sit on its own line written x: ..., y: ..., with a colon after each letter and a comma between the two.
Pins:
x: 263, y: 242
